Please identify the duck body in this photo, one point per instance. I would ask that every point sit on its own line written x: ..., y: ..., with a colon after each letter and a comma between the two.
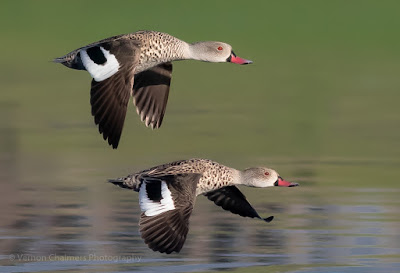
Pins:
x: 213, y: 175
x: 167, y: 194
x: 153, y: 48
x: 139, y: 65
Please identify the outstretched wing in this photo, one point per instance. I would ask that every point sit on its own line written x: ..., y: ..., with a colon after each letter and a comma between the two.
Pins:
x: 166, y: 232
x: 232, y: 199
x: 112, y: 65
x: 166, y: 203
x: 150, y: 93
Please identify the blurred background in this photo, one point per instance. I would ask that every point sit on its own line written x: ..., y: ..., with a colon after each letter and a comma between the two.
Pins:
x: 320, y: 104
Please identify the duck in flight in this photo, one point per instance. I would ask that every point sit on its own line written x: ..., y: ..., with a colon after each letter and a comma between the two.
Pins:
x: 167, y: 194
x: 139, y: 65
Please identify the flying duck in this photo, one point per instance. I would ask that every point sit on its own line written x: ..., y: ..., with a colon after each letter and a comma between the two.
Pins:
x: 139, y: 65
x: 167, y: 194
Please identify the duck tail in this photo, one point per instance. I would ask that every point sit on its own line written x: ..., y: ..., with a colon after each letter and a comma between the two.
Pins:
x: 119, y: 182
x: 124, y: 182
x: 71, y: 60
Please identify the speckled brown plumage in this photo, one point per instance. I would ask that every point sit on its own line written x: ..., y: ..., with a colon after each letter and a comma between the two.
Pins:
x: 157, y: 47
x: 213, y: 174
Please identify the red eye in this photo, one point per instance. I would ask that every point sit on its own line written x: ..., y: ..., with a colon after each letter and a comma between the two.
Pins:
x: 266, y: 173
x: 219, y: 48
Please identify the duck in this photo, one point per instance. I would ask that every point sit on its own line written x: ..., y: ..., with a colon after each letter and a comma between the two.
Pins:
x: 167, y: 194
x: 139, y: 65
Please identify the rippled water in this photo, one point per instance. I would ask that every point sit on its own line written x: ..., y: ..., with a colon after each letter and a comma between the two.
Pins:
x: 94, y: 229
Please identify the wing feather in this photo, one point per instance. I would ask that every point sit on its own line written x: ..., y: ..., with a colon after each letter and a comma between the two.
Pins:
x: 232, y: 199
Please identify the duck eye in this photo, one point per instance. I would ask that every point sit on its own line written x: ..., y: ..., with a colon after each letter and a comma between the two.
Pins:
x: 266, y: 173
x: 220, y: 48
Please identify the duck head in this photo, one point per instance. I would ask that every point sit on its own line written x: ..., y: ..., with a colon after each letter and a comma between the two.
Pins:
x: 216, y: 52
x: 262, y: 177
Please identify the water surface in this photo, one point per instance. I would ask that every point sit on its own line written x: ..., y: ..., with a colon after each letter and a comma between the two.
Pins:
x: 94, y: 229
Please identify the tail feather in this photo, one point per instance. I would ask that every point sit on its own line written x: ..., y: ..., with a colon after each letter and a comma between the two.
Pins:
x: 71, y: 60
x: 120, y: 182
x: 125, y: 182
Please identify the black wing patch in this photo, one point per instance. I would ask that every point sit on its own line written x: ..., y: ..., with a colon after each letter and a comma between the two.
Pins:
x: 153, y: 190
x: 150, y: 93
x: 96, y: 55
x: 232, y: 199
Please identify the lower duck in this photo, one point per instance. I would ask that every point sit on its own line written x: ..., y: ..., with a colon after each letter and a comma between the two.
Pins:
x: 167, y: 194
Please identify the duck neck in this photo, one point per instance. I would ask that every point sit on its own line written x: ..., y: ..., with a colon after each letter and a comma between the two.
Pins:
x: 243, y: 178
x: 195, y: 51
x: 237, y: 177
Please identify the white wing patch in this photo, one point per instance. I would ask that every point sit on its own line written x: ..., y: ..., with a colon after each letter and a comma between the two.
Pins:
x: 152, y: 208
x: 100, y: 72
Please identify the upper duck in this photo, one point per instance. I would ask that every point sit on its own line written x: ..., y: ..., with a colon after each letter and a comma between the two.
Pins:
x: 167, y: 194
x: 139, y: 65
